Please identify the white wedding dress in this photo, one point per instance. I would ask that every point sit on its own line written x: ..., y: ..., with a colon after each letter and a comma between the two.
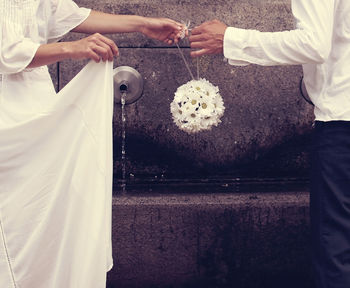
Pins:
x: 55, y: 157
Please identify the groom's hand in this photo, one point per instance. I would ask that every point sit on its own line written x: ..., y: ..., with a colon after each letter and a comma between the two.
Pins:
x: 208, y: 38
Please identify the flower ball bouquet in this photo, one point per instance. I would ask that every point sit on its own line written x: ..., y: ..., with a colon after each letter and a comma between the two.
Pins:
x: 197, y: 106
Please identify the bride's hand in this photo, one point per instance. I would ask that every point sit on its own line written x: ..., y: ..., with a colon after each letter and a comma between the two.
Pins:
x: 95, y: 47
x: 163, y: 29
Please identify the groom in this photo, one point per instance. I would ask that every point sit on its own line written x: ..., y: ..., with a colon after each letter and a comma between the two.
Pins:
x: 321, y: 43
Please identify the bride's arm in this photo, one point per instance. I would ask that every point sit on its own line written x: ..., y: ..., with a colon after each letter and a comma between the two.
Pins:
x: 95, y: 47
x: 161, y: 29
x: 98, y: 47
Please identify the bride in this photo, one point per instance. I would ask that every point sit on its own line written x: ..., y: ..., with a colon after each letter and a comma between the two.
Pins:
x: 55, y: 148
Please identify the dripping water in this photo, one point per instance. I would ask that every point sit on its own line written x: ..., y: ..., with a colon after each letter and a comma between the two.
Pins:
x: 123, y: 159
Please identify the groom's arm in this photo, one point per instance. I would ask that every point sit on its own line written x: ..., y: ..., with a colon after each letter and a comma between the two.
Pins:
x: 310, y: 42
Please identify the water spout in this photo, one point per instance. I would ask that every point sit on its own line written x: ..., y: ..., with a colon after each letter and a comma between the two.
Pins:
x: 127, y: 80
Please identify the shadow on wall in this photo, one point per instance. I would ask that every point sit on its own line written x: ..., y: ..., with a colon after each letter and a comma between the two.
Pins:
x: 151, y: 167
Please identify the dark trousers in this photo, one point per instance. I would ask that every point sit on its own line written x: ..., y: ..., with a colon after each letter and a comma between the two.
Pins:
x: 330, y: 204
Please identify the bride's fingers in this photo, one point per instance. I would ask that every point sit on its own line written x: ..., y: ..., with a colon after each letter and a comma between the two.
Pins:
x: 93, y: 56
x: 113, y: 46
x: 108, y: 49
x: 175, y: 22
x: 174, y: 25
x: 177, y: 35
x: 110, y: 43
x: 102, y: 52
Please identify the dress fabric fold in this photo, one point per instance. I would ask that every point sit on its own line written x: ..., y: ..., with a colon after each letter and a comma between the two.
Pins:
x: 56, y: 181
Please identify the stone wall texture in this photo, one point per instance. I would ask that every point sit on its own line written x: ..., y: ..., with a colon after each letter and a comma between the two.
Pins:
x: 211, y: 241
x: 266, y: 127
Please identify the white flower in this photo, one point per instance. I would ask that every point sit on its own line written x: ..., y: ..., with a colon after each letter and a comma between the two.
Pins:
x: 183, y: 30
x: 197, y: 106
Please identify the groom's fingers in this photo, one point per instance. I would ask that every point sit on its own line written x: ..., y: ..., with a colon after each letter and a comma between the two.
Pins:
x: 199, y: 44
x: 199, y: 53
x: 198, y: 37
x: 197, y: 30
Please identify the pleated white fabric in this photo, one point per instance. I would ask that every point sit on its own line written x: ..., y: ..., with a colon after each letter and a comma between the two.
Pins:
x: 56, y: 182
x: 25, y: 24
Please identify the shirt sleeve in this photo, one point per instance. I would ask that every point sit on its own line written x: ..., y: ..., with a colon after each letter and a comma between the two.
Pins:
x: 310, y: 42
x: 66, y: 15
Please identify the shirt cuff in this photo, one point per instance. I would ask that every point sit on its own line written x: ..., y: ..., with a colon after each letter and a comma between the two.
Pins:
x: 234, y: 42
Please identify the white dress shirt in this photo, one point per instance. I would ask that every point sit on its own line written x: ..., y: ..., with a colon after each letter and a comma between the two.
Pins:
x: 320, y: 42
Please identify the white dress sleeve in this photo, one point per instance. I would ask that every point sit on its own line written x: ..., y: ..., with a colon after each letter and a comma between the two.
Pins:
x: 16, y: 49
x: 66, y: 15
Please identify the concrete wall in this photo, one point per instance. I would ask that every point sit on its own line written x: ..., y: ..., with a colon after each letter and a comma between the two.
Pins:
x: 211, y: 241
x: 266, y: 126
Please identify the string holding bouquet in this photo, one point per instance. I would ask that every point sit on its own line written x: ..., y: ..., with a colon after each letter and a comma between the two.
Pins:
x: 197, y: 104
